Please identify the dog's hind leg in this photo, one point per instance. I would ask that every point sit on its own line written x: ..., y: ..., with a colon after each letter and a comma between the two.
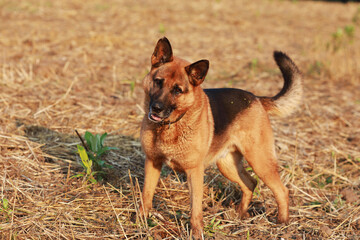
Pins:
x: 232, y: 168
x: 260, y: 154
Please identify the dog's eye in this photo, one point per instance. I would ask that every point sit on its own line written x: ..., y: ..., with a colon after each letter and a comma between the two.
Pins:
x: 177, y: 90
x: 159, y: 82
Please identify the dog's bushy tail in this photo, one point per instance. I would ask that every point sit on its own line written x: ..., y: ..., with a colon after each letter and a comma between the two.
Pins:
x: 289, y: 98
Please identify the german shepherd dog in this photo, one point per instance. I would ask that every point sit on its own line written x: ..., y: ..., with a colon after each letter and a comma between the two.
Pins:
x: 189, y: 128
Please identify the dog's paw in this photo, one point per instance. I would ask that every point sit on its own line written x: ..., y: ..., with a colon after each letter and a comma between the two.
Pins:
x: 197, y: 234
x: 244, y: 215
x: 283, y: 219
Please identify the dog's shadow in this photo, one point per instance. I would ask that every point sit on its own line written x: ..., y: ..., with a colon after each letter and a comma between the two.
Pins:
x: 127, y: 160
x: 59, y: 148
x: 127, y: 163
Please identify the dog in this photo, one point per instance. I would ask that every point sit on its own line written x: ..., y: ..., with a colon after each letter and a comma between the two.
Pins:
x: 189, y: 128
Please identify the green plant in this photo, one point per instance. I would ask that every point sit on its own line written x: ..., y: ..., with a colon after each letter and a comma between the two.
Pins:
x: 338, y: 34
x: 97, y: 149
x: 132, y: 87
x: 131, y: 84
x: 316, y: 68
x: 162, y: 28
x: 314, y: 203
x: 256, y: 191
x: 349, y: 31
x: 165, y: 171
x: 91, y: 155
x: 337, y: 39
x: 322, y: 181
x: 213, y: 227
x: 87, y: 164
x: 338, y: 202
x: 342, y: 37
x: 151, y: 223
x: 5, y: 208
x: 254, y: 64
x: 356, y: 17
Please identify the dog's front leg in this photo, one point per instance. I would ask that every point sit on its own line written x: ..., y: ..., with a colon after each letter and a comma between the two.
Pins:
x: 152, y: 175
x: 196, y: 186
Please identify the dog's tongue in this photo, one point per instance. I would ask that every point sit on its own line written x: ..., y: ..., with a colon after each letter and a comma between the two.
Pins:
x: 156, y: 118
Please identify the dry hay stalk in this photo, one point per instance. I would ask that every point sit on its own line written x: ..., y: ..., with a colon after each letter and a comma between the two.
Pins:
x: 68, y: 65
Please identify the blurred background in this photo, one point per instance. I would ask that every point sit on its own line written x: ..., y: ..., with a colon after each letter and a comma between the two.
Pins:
x: 100, y: 51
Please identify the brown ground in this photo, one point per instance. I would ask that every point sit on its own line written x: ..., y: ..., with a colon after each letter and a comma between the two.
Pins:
x: 76, y: 64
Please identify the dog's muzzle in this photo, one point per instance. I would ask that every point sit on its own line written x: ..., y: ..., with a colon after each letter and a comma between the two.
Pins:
x: 158, y: 112
x: 155, y: 118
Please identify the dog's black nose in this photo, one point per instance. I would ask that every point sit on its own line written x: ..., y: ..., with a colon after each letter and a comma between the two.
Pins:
x: 157, y: 107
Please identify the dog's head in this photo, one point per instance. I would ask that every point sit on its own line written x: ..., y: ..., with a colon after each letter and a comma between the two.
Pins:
x: 171, y: 84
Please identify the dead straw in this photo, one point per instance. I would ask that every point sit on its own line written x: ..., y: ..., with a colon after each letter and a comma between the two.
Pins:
x: 67, y: 65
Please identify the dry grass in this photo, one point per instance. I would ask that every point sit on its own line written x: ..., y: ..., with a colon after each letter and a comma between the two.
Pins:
x: 69, y: 65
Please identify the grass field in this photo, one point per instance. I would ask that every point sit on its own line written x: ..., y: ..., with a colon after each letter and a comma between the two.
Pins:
x: 67, y: 65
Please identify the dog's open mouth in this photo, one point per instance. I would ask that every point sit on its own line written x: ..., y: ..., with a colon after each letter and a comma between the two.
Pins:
x: 155, y: 118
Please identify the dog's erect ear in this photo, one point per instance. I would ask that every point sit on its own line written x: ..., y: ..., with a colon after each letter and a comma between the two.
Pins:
x: 162, y: 53
x: 197, y: 71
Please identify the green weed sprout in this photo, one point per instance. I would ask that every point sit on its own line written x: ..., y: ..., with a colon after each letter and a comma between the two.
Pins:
x: 4, y: 208
x: 356, y: 17
x: 162, y: 28
x: 97, y: 149
x: 254, y: 64
x: 256, y: 190
x: 342, y: 37
x: 90, y: 153
x: 213, y: 227
x: 87, y: 164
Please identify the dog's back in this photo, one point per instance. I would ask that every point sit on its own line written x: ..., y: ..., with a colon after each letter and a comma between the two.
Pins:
x: 227, y: 103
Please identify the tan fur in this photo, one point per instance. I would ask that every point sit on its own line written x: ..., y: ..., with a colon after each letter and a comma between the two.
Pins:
x: 185, y: 138
x: 287, y: 102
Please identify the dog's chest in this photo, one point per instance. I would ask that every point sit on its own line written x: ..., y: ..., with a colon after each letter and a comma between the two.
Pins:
x: 180, y: 164
x: 175, y: 151
x: 179, y: 151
